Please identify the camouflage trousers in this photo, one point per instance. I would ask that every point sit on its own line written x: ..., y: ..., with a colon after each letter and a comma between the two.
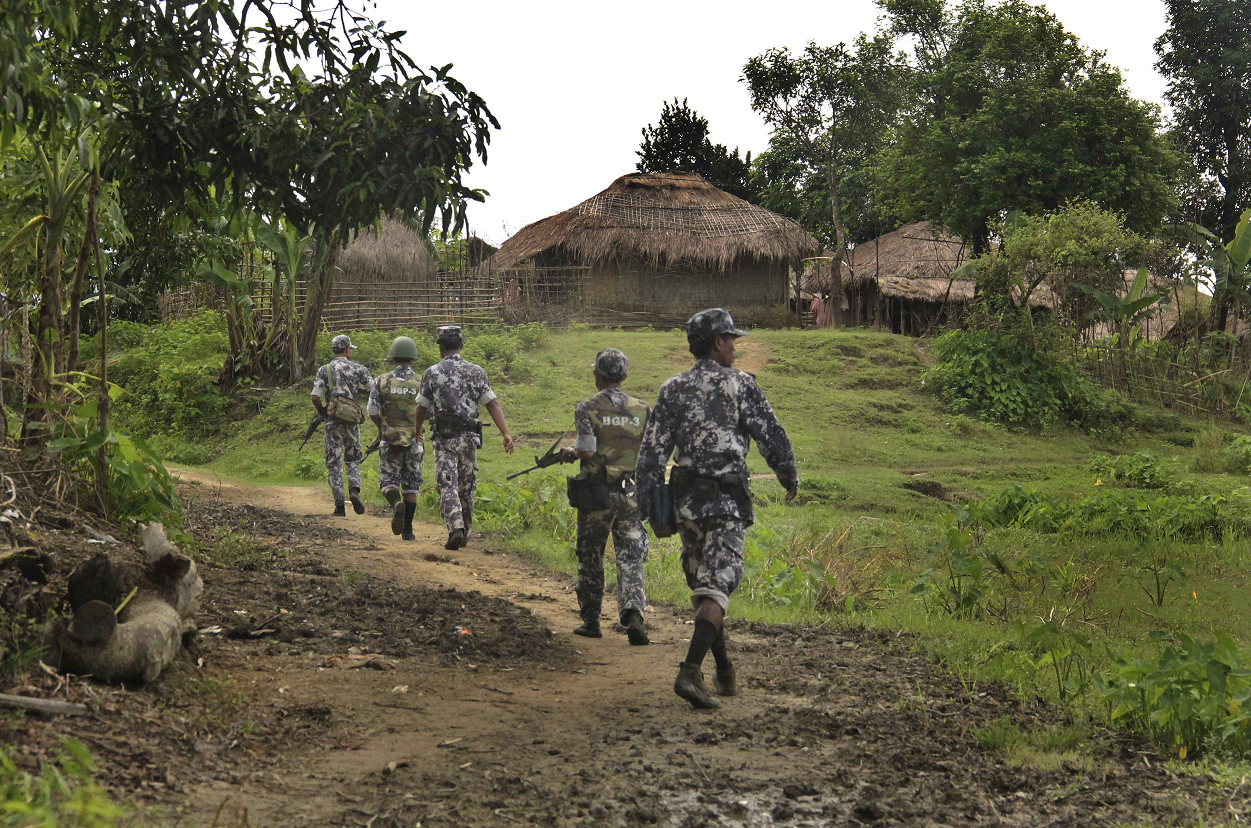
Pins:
x: 712, y: 557
x: 343, y: 448
x: 629, y: 543
x: 455, y: 476
x: 399, y: 467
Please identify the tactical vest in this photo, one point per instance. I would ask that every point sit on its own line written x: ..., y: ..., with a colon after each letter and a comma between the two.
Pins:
x: 398, y: 409
x: 618, y: 433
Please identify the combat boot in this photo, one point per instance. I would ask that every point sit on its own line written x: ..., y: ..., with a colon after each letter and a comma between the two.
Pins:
x: 634, y: 628
x: 339, y: 509
x: 397, y: 518
x: 354, y: 495
x: 409, y: 536
x: 588, y: 629
x: 725, y: 682
x: 690, y: 685
x: 455, y: 540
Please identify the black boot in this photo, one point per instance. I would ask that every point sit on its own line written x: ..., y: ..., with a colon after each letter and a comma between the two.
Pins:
x: 635, y: 631
x: 354, y: 495
x: 455, y: 540
x: 339, y: 509
x: 725, y: 681
x: 690, y: 685
x: 588, y: 629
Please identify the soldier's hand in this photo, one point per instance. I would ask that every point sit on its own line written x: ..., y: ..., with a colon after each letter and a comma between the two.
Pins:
x: 790, y: 494
x: 508, y: 444
x: 568, y: 455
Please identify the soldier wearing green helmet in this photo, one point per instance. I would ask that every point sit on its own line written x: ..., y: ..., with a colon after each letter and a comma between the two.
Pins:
x: 393, y: 408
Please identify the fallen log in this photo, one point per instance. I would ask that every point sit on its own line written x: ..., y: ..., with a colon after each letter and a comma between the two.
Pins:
x: 50, y: 706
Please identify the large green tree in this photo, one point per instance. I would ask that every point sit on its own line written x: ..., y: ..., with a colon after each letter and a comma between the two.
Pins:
x: 831, y: 108
x: 1014, y: 113
x: 1206, y: 56
x: 679, y: 142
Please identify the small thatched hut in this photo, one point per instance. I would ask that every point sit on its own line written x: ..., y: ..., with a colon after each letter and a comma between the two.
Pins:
x: 667, y: 244
x: 396, y: 254
x: 902, y: 281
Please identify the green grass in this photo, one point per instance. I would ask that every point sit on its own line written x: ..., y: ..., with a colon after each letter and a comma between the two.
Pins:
x: 873, y: 447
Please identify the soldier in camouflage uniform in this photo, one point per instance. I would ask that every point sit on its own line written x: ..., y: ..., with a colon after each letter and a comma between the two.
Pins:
x: 335, y: 397
x: 610, y: 426
x: 707, y: 417
x: 451, y: 391
x: 393, y: 408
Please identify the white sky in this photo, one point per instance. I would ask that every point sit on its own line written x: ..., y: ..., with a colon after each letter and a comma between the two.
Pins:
x: 573, y: 83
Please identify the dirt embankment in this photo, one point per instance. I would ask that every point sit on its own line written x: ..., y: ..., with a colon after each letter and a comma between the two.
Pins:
x: 345, y: 677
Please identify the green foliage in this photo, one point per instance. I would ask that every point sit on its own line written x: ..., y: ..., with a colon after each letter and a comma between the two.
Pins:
x: 537, y: 503
x: 1006, y: 378
x: 64, y: 794
x: 133, y: 481
x: 1016, y: 114
x: 170, y: 377
x: 1237, y: 456
x: 1137, y: 471
x: 680, y: 143
x: 1190, y: 698
x: 955, y: 580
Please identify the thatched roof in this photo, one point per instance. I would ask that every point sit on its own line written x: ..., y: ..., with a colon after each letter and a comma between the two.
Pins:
x: 478, y: 251
x: 674, y: 219
x: 914, y: 262
x: 397, y: 254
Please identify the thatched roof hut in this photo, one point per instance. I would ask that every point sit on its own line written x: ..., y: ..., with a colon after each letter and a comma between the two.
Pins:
x: 396, y: 254
x: 666, y: 244
x: 671, y: 219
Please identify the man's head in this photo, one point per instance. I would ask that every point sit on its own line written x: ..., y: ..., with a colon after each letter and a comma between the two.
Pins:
x: 403, y: 350
x: 342, y: 345
x: 710, y: 334
x: 449, y: 338
x: 610, y: 368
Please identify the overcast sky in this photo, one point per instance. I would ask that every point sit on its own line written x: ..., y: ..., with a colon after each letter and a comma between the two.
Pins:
x: 573, y: 83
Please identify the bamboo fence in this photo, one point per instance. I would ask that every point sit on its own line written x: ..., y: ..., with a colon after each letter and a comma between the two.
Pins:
x: 1174, y: 385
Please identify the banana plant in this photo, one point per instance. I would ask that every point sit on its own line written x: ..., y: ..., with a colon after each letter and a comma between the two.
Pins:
x: 1125, y: 313
x: 290, y: 251
x: 1230, y: 262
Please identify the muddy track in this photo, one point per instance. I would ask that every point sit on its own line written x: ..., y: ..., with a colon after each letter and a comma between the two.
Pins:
x: 833, y: 726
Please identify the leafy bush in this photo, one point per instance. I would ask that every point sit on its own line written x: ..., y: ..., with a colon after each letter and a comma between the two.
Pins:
x: 1237, y: 456
x: 64, y: 794
x: 1209, y: 445
x: 1137, y: 471
x: 1192, y: 697
x: 1011, y: 380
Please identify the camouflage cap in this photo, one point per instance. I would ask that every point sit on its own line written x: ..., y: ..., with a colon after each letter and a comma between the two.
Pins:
x: 449, y: 335
x: 611, y: 364
x: 341, y: 343
x: 711, y: 323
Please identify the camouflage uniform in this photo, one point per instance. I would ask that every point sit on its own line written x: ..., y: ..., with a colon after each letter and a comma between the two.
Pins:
x: 611, y: 424
x: 400, y: 452
x: 451, y: 391
x: 343, y: 442
x: 707, y: 417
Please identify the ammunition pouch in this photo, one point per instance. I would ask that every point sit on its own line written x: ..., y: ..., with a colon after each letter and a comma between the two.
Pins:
x: 449, y: 425
x: 589, y: 492
x: 662, y: 515
x: 706, y: 489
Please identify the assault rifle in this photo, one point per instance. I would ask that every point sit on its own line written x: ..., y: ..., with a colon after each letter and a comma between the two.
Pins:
x: 318, y: 419
x: 375, y: 445
x: 550, y: 459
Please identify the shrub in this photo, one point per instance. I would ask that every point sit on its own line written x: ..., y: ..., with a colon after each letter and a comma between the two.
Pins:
x: 1137, y: 471
x: 1192, y: 697
x: 1237, y: 456
x: 1008, y: 378
x: 64, y: 794
x: 1208, y: 445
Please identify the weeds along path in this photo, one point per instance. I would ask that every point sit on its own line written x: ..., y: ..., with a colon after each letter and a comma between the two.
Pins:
x: 832, y: 726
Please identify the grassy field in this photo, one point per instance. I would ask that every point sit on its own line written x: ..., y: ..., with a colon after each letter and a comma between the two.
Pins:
x: 1039, y: 587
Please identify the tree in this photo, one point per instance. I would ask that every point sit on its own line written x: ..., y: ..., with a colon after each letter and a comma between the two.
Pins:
x: 835, y: 104
x: 679, y: 142
x: 1206, y: 56
x: 1013, y: 113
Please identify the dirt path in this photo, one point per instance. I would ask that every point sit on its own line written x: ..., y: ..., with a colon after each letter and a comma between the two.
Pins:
x: 833, y: 727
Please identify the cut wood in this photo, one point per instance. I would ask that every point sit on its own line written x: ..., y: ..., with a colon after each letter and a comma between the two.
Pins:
x: 44, y: 705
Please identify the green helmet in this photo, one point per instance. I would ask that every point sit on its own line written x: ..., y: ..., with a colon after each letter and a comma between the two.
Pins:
x: 402, y: 348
